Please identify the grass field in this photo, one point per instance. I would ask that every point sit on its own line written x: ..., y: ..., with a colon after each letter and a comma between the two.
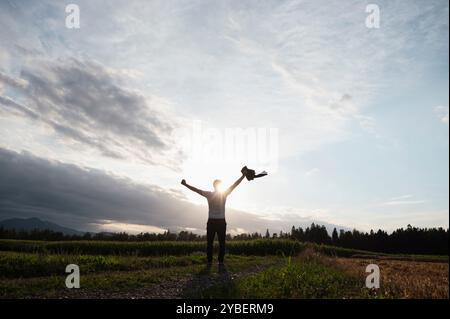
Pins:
x: 254, y: 269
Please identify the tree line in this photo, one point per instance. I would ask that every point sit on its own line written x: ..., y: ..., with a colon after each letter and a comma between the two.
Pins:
x: 411, y: 240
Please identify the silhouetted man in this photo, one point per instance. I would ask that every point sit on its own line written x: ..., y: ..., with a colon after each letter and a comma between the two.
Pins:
x: 216, y: 218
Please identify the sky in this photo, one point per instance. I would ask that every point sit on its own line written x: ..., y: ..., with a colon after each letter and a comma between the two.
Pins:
x: 99, y: 123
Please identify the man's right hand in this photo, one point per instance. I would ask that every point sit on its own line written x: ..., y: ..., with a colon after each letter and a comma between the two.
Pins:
x: 183, y: 182
x: 244, y: 170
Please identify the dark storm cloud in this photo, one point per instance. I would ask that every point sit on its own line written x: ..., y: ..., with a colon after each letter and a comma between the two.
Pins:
x: 79, y: 197
x: 88, y: 103
x: 75, y: 196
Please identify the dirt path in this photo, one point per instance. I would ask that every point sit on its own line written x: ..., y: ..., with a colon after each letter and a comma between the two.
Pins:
x: 175, y: 288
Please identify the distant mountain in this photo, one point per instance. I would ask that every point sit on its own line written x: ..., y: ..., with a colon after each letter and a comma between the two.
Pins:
x: 28, y: 224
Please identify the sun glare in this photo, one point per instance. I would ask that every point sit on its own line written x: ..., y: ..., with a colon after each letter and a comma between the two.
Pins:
x: 221, y: 187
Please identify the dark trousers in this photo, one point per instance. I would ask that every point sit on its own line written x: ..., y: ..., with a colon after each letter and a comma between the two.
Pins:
x: 214, y: 226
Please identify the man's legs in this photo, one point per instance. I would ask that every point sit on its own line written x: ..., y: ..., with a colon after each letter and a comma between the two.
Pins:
x: 210, y: 233
x: 221, y: 234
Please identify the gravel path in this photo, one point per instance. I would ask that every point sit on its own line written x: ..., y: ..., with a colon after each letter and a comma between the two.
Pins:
x: 170, y: 289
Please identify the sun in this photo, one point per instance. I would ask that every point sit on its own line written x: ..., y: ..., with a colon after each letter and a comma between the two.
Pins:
x: 221, y: 187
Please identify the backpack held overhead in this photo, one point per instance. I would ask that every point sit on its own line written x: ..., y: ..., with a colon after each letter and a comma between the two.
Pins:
x: 250, y: 173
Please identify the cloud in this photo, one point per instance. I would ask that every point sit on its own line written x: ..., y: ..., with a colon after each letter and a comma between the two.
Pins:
x: 81, y: 197
x: 312, y: 172
x: 442, y: 113
x: 17, y: 83
x: 403, y: 200
x: 89, y: 104
x: 110, y: 226
x: 402, y: 197
x: 90, y: 199
x: 302, y: 217
x: 337, y: 67
x: 311, y: 70
x: 294, y: 58
x: 423, y: 217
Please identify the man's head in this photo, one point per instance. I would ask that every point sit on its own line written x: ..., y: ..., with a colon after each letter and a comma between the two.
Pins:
x: 216, y: 184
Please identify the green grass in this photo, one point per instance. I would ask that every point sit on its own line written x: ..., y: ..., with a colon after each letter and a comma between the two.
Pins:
x: 54, y: 286
x: 256, y: 247
x: 14, y: 264
x: 255, y: 269
x: 139, y: 274
x: 262, y: 247
x: 297, y: 278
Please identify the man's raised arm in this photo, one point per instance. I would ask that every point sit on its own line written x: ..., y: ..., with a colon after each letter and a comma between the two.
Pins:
x: 192, y: 188
x: 236, y: 183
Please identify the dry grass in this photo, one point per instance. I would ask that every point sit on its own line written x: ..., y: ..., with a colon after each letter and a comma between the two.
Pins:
x: 403, y: 279
x: 400, y: 278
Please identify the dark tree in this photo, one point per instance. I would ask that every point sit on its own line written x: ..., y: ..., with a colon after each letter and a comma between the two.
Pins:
x: 335, y: 237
